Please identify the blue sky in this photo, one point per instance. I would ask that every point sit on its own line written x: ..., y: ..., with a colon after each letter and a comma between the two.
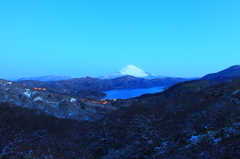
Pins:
x: 90, y: 37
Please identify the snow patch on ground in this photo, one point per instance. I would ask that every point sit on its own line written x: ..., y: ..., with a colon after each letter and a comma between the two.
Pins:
x: 73, y: 100
x: 235, y: 92
x: 194, y: 139
x: 38, y: 99
x: 27, y: 93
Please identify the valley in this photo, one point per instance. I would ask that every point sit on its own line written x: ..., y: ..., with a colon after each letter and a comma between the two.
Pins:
x: 119, y: 79
x: 73, y: 118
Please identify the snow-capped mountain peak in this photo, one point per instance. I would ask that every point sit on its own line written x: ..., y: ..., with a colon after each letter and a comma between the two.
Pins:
x: 133, y: 71
x: 46, y: 78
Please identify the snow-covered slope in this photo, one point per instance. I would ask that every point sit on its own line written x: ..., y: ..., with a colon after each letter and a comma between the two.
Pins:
x: 46, y: 78
x: 133, y: 71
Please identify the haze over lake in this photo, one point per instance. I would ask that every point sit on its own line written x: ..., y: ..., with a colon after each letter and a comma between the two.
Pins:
x: 129, y: 93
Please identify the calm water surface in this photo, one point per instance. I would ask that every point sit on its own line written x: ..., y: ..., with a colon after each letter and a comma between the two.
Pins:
x: 128, y: 93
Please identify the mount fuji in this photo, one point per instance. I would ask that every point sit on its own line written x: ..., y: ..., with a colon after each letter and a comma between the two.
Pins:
x: 132, y: 71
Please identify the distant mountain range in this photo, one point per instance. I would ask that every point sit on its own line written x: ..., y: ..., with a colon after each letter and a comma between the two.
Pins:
x: 128, y: 70
x: 95, y: 84
x: 46, y: 78
x: 87, y: 87
x: 224, y: 75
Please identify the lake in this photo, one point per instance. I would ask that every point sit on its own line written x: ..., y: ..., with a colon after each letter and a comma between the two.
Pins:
x: 129, y: 93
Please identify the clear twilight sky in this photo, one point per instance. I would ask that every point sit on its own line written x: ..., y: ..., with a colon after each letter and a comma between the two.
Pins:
x: 183, y: 38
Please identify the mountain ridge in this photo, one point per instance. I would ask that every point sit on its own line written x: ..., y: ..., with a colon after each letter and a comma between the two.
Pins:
x: 127, y: 70
x: 223, y: 75
x: 95, y: 84
x: 46, y: 78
